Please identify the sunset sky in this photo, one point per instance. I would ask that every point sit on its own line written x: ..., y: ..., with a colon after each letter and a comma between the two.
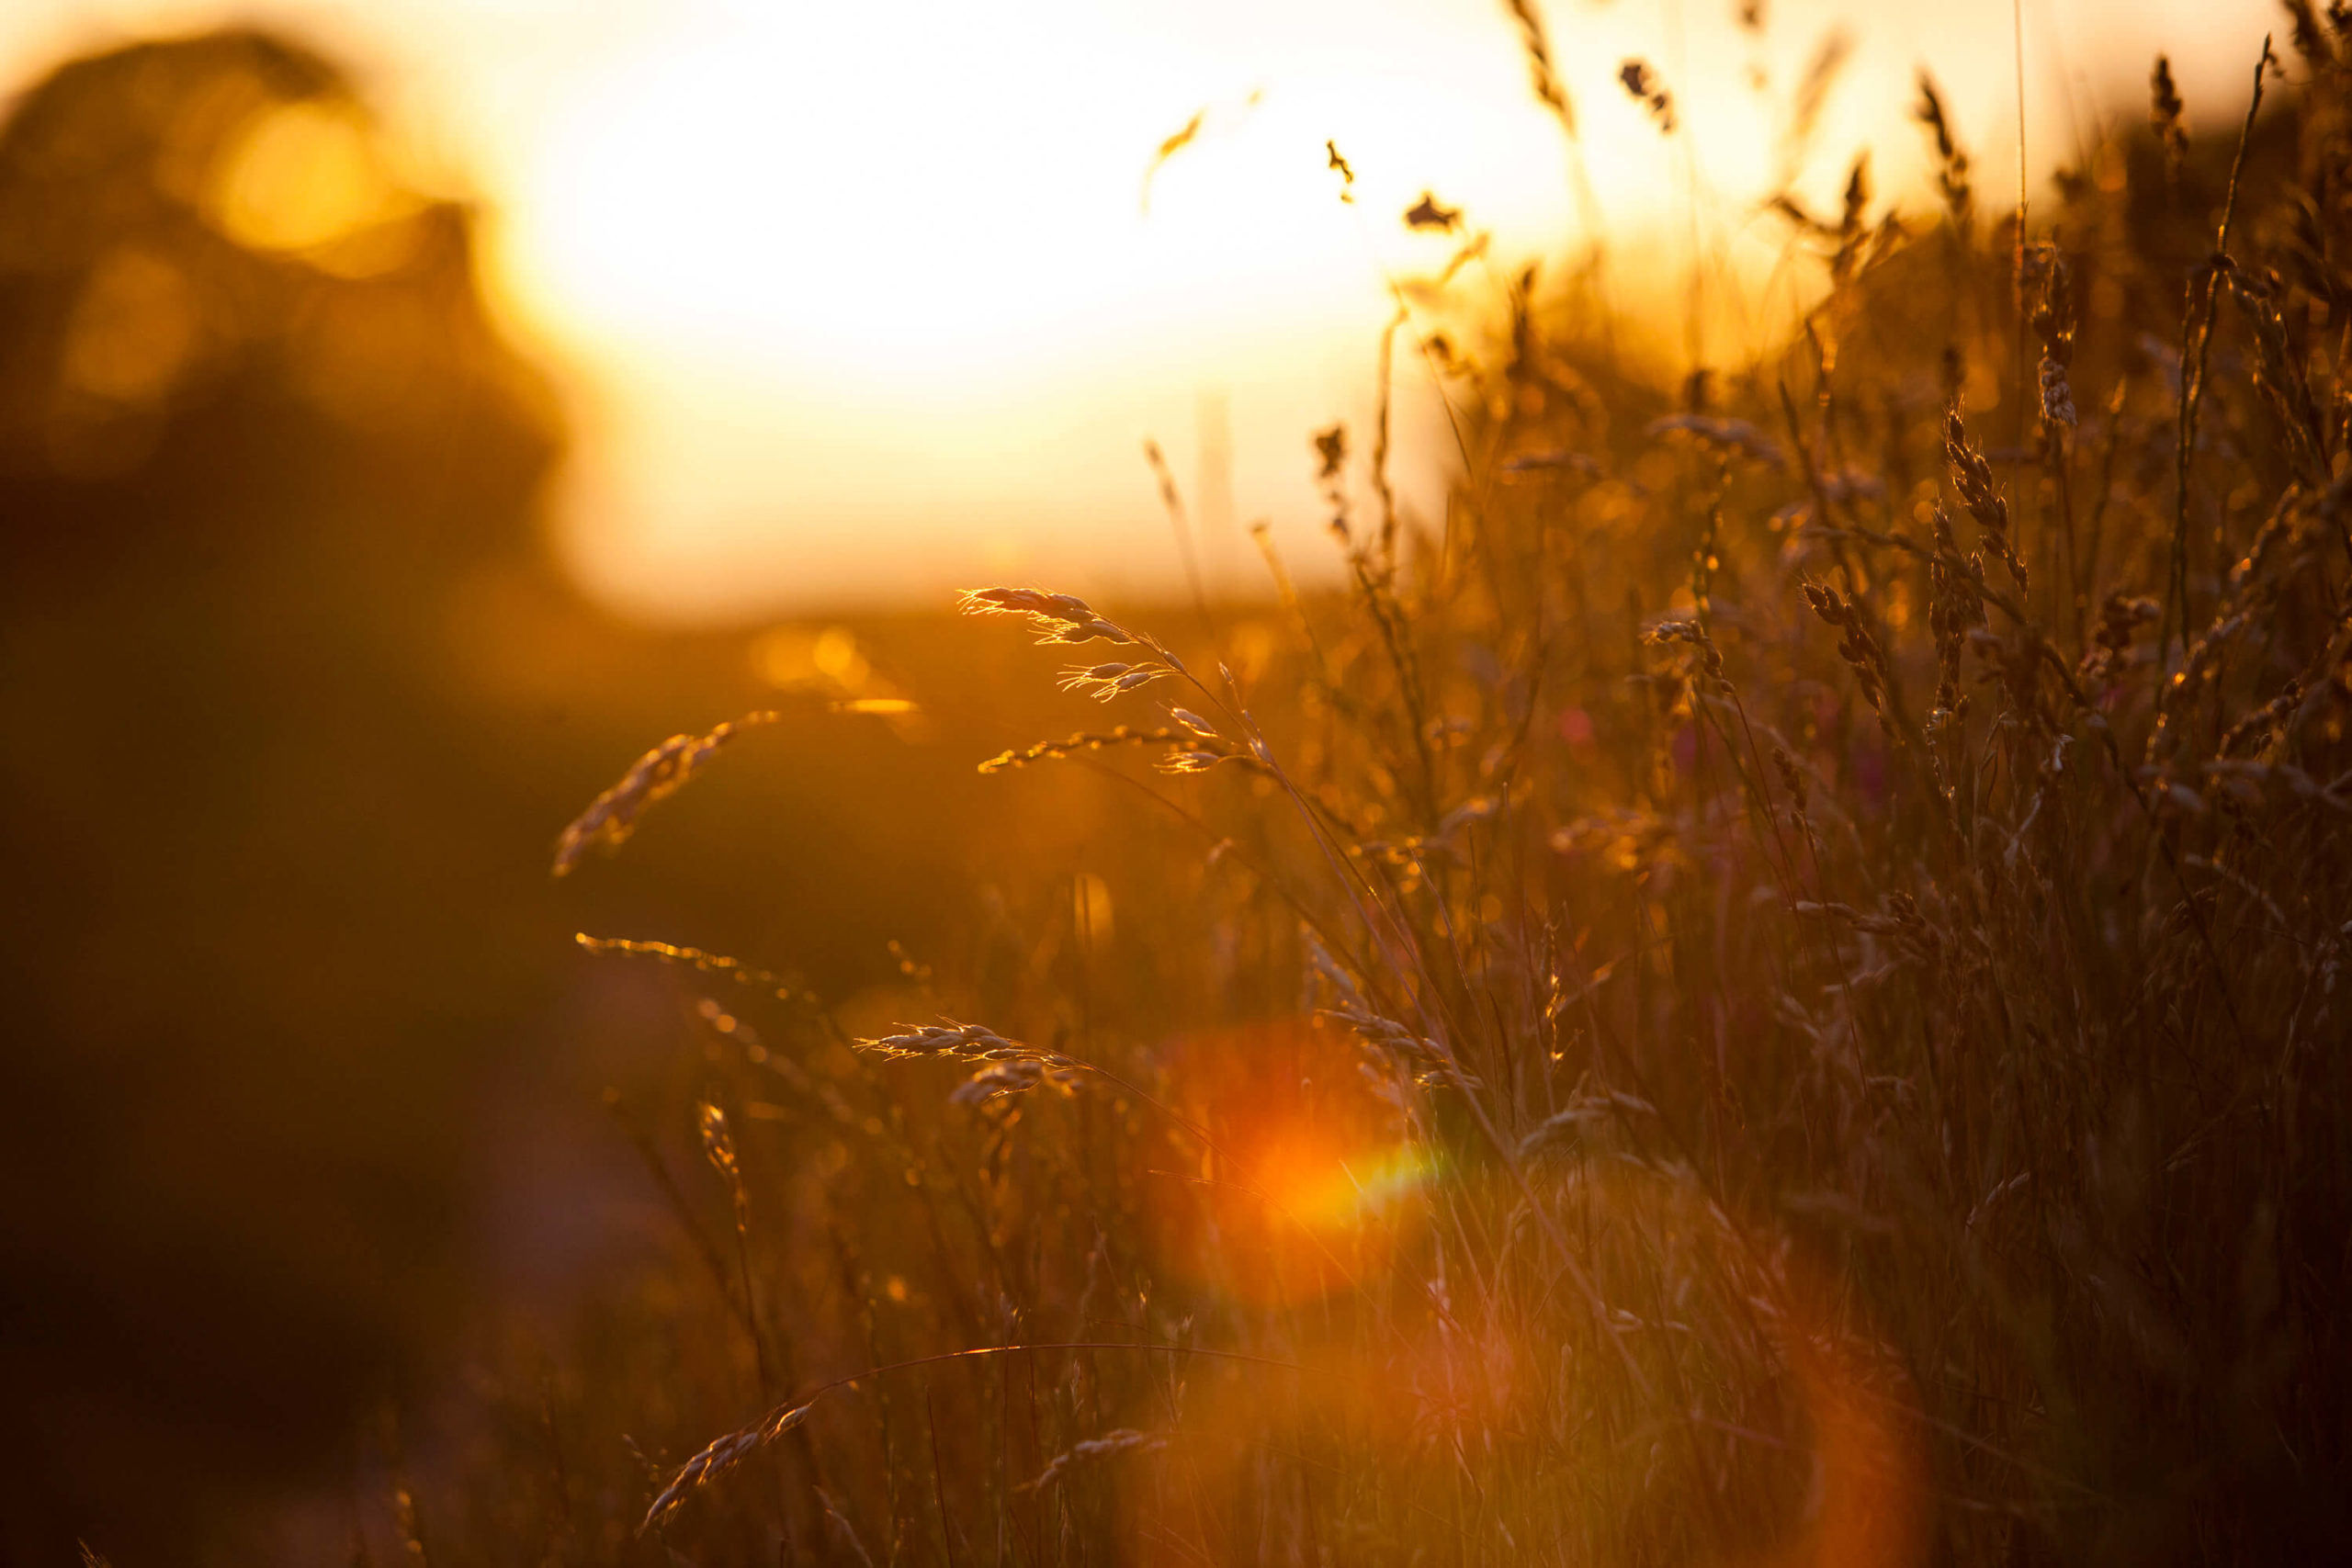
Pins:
x: 857, y: 303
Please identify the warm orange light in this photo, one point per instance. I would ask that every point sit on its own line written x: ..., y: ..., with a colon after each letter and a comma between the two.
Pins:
x: 303, y: 177
x: 878, y: 306
x: 862, y: 301
x: 1311, y: 1184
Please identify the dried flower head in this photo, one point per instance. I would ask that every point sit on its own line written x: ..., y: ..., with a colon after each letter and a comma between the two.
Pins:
x: 1729, y: 436
x: 998, y: 1079
x: 722, y: 1455
x: 717, y: 1145
x: 1347, y: 175
x: 1104, y: 681
x: 1121, y: 1441
x: 1694, y: 634
x: 1792, y: 779
x: 1331, y: 475
x: 612, y: 817
x: 1641, y: 84
x: 1972, y: 477
x: 2166, y: 112
x: 1542, y: 78
x: 1427, y: 214
x: 1086, y: 741
x: 949, y: 1041
x: 1059, y: 618
x: 1330, y: 453
x: 1856, y: 646
x: 1172, y: 144
x: 2279, y: 373
x: 1952, y: 161
x: 2053, y: 325
x: 1955, y: 607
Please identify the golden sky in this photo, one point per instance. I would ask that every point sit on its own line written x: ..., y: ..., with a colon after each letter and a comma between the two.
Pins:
x: 858, y: 303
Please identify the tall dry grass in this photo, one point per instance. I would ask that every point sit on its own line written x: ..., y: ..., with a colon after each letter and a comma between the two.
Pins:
x: 1770, y: 988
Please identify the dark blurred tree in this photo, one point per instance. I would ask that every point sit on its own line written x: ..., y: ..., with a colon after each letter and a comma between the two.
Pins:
x: 253, y: 420
x: 213, y: 294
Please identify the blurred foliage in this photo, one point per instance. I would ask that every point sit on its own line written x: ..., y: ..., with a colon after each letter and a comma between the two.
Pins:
x: 301, y: 1060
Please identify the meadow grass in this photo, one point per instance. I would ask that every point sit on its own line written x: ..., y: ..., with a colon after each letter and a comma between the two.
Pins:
x: 1766, y: 989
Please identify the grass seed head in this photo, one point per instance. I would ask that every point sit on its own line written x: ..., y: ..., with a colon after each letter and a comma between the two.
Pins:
x: 613, y: 816
x: 1972, y: 477
x: 2166, y: 116
x: 1951, y: 160
x: 1427, y: 213
x: 1641, y: 84
x: 719, y: 1456
x: 1121, y: 1441
x: 1071, y: 746
x: 1058, y: 618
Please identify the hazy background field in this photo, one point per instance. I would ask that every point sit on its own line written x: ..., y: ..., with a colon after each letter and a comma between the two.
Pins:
x: 855, y: 305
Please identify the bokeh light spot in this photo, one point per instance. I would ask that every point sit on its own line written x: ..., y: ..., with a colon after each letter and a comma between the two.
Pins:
x: 301, y: 179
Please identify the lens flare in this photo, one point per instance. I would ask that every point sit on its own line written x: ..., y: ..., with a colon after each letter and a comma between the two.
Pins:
x: 1310, y: 1185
